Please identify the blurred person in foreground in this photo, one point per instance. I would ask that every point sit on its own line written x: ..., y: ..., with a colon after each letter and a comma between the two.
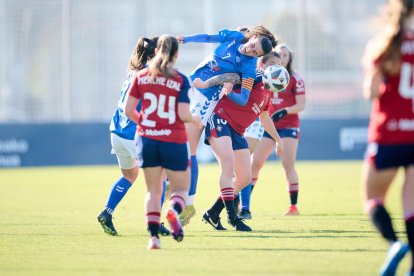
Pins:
x: 162, y: 137
x: 388, y: 82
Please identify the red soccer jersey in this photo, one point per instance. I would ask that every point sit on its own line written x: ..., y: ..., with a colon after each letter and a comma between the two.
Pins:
x: 392, y: 115
x: 159, y: 113
x: 240, y: 117
x: 288, y: 98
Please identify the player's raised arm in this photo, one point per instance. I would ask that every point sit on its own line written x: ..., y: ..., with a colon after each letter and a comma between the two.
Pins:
x: 233, y: 78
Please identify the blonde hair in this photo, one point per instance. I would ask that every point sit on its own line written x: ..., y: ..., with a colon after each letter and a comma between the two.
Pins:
x: 167, y: 47
x: 385, y: 46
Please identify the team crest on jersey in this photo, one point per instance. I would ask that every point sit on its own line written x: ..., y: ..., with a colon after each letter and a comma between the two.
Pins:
x: 219, y: 128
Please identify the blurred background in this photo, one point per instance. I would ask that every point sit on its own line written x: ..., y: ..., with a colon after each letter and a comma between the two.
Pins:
x: 63, y: 62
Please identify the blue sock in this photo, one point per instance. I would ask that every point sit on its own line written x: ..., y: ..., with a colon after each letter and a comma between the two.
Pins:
x: 194, y: 175
x: 245, y: 197
x: 164, y: 187
x: 118, y: 191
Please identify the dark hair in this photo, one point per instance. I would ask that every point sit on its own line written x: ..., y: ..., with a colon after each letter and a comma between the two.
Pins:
x: 265, y: 58
x: 266, y: 45
x: 167, y: 47
x: 260, y: 30
x: 289, y: 66
x: 144, y: 50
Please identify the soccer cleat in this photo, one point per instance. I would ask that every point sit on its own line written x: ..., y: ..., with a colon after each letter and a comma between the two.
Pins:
x: 154, y: 243
x: 163, y: 231
x: 239, y: 225
x: 396, y: 252
x: 175, y: 225
x: 215, y: 222
x: 292, y: 211
x: 105, y: 220
x: 187, y: 214
x: 245, y: 214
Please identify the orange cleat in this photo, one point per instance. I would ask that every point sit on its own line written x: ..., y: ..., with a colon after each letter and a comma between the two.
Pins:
x: 292, y: 211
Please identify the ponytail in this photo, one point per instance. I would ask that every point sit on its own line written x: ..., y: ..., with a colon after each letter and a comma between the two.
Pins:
x: 167, y: 47
x: 144, y: 51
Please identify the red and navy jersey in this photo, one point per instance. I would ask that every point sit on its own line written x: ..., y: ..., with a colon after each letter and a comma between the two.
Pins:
x: 392, y: 114
x: 159, y: 113
x: 240, y: 117
x: 288, y: 98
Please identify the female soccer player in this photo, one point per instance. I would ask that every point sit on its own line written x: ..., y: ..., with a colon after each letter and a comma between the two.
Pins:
x: 122, y: 138
x: 236, y: 53
x: 224, y: 133
x: 162, y: 138
x: 389, y: 67
x: 284, y: 107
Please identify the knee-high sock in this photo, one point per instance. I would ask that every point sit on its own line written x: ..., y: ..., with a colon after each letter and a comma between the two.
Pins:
x: 245, y: 197
x: 164, y: 187
x: 409, y: 224
x: 118, y: 191
x: 194, y: 180
x: 381, y: 219
x: 293, y: 189
x: 227, y: 195
x: 177, y: 203
x: 153, y: 223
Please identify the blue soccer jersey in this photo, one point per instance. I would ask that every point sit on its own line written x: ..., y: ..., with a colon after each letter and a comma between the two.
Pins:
x: 226, y: 58
x: 121, y: 125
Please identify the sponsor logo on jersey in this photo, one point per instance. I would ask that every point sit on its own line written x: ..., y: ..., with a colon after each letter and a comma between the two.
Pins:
x: 401, y: 125
x: 157, y: 132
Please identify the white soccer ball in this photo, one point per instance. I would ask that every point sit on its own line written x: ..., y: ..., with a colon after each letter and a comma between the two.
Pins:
x: 276, y: 78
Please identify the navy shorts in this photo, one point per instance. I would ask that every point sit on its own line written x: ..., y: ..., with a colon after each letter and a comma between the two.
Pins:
x: 218, y: 127
x: 154, y: 153
x: 285, y: 133
x: 390, y: 156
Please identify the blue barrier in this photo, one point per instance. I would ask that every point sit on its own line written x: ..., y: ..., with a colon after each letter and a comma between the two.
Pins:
x: 89, y: 144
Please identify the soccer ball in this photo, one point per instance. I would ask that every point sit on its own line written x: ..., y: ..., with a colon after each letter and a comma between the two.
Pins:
x: 276, y: 78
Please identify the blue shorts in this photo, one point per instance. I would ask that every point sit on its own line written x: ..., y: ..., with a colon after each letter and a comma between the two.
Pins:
x: 285, y: 133
x: 390, y: 156
x: 218, y: 127
x: 154, y: 153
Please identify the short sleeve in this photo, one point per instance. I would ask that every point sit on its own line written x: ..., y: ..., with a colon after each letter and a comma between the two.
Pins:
x: 183, y: 96
x: 134, y: 89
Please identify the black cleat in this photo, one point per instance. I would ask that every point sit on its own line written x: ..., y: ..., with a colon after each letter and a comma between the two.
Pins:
x: 163, y: 231
x: 239, y: 225
x: 105, y: 220
x: 245, y: 214
x: 215, y: 222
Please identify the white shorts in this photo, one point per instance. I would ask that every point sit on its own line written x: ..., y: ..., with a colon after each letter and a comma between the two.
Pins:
x: 255, y: 130
x: 202, y: 106
x: 125, y: 150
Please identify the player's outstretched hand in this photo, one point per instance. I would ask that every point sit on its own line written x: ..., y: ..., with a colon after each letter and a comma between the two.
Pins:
x: 226, y: 89
x: 199, y: 84
x: 180, y: 38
